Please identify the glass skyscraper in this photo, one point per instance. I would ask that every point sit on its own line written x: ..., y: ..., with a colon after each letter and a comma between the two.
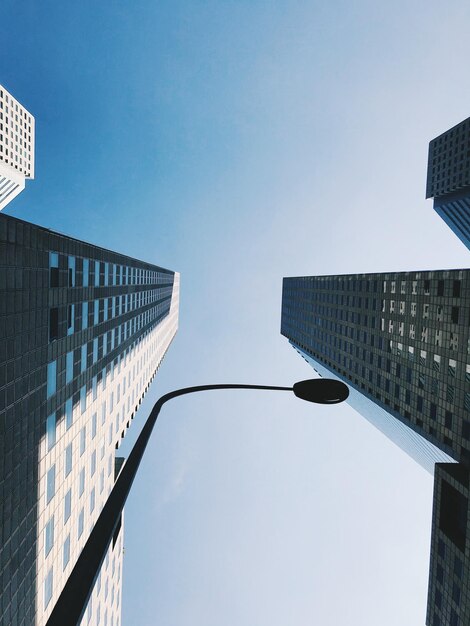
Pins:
x: 448, y: 179
x: 401, y: 341
x: 83, y: 331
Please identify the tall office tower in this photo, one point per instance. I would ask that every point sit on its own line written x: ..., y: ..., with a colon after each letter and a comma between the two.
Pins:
x: 83, y: 331
x: 401, y: 341
x: 16, y: 147
x: 448, y: 179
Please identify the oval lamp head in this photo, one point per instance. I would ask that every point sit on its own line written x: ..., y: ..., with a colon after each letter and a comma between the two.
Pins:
x: 321, y: 390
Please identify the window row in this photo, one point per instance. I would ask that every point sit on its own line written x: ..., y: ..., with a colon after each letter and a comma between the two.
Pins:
x: 93, y: 351
x: 51, y: 475
x: 84, y: 272
x: 93, y: 312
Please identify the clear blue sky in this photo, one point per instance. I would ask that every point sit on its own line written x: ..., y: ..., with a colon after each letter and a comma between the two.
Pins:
x: 239, y: 142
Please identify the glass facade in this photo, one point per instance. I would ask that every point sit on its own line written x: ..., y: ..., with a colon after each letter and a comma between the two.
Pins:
x: 57, y: 372
x: 449, y: 572
x: 401, y: 341
x: 448, y: 179
x: 421, y: 450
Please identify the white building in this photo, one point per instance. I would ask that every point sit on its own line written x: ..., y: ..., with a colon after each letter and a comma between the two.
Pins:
x: 16, y: 147
x: 84, y: 463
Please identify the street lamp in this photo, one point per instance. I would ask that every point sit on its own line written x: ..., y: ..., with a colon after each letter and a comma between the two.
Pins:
x: 71, y: 604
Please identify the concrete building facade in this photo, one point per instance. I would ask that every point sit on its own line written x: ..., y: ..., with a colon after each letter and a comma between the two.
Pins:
x: 16, y: 147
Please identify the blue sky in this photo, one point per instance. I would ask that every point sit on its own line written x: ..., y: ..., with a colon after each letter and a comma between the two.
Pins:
x: 240, y: 142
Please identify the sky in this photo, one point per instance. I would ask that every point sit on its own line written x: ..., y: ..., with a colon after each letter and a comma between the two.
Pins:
x: 237, y: 143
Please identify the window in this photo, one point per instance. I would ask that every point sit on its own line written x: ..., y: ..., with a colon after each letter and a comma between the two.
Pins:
x: 68, y: 413
x: 93, y: 463
x: 92, y: 500
x: 81, y: 482
x: 51, y: 431
x: 86, y: 272
x: 95, y: 349
x: 96, y: 312
x: 450, y: 392
x: 70, y: 319
x: 84, y: 315
x: 81, y: 522
x: 440, y: 287
x: 452, y: 368
x: 51, y: 378
x: 456, y: 289
x: 53, y: 269
x: 71, y: 271
x: 97, y: 273
x: 83, y: 358
x: 66, y: 552
x: 49, y: 536
x: 82, y: 440
x: 68, y: 459
x: 48, y: 584
x: 93, y: 426
x: 455, y: 315
x: 50, y: 484
x: 69, y: 367
x: 53, y: 323
x: 83, y: 399
x: 67, y: 505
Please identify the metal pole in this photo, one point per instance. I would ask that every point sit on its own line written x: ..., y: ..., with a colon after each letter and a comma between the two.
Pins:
x: 71, y: 604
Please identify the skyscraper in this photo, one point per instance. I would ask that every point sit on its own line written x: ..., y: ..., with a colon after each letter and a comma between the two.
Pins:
x: 401, y: 341
x: 83, y: 331
x: 448, y: 179
x: 16, y: 147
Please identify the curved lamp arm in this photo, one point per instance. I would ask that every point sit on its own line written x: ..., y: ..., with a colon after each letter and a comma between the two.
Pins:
x: 71, y: 604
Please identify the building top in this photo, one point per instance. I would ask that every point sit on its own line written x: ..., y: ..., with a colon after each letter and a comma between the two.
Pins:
x: 449, y: 161
x: 400, y: 339
x: 16, y: 135
x: 16, y: 231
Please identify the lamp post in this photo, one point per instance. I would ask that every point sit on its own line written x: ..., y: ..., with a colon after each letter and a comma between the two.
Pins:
x: 71, y: 604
